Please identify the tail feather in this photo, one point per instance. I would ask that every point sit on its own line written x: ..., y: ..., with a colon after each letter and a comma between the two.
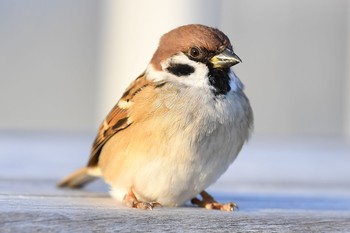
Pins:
x: 80, y: 177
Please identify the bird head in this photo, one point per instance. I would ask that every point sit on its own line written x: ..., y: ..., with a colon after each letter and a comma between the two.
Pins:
x: 196, y: 55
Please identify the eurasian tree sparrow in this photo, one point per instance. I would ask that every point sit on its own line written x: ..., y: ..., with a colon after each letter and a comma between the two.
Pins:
x: 177, y: 127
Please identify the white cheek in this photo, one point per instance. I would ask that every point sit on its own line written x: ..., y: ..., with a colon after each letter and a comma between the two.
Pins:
x: 199, y: 78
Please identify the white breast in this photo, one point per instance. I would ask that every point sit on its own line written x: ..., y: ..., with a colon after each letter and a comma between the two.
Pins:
x: 200, y: 140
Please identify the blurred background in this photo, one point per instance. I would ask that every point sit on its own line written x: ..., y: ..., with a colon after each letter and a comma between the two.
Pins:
x: 65, y: 63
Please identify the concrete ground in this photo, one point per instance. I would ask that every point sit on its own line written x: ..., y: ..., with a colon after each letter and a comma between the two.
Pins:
x: 280, y: 185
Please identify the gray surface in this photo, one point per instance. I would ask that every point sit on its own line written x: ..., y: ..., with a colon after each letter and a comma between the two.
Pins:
x: 279, y: 185
x: 84, y: 214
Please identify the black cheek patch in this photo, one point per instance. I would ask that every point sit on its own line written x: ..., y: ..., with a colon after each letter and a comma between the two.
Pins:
x: 180, y: 69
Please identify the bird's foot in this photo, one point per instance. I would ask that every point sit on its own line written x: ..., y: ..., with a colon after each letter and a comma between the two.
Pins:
x: 131, y: 201
x: 142, y: 205
x: 210, y: 203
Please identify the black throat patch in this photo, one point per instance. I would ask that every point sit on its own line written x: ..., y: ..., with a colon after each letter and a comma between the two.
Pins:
x: 219, y: 80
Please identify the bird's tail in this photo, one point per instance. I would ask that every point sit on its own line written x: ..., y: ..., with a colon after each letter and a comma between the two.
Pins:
x: 80, y: 177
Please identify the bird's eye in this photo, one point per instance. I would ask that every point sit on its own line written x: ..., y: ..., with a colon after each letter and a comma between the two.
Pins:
x: 194, y: 52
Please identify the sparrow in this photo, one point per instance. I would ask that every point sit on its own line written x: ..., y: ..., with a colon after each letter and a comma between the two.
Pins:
x: 177, y: 127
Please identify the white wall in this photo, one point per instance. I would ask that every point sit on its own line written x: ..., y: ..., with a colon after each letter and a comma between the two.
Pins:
x: 347, y: 86
x: 48, y: 64
x: 61, y: 67
x: 294, y: 65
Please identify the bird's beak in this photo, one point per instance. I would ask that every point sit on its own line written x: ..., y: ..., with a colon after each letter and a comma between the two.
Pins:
x: 225, y: 59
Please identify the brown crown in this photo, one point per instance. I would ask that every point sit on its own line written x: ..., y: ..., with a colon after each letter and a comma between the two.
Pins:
x: 181, y: 39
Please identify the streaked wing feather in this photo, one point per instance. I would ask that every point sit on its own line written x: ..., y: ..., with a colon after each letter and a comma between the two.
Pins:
x: 117, y: 120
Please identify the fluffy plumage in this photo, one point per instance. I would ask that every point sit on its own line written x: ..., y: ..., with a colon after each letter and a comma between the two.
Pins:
x: 177, y: 127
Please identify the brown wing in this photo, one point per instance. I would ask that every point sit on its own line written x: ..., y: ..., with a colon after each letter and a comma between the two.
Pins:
x: 117, y: 120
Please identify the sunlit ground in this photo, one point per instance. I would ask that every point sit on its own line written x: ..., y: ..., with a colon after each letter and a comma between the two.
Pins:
x: 299, y: 183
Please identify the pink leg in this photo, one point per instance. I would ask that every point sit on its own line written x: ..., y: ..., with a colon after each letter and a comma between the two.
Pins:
x: 209, y: 202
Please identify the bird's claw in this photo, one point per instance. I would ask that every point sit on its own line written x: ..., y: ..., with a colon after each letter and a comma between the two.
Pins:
x: 145, y: 205
x: 230, y: 206
x: 131, y: 201
x: 210, y: 203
